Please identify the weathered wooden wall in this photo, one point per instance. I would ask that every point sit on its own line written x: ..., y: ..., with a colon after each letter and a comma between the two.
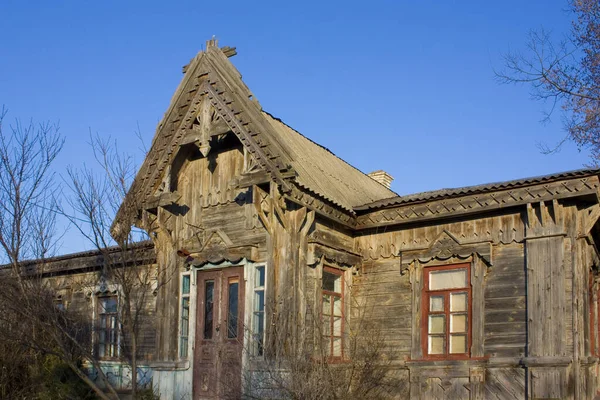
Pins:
x: 529, y: 293
x: 78, y: 293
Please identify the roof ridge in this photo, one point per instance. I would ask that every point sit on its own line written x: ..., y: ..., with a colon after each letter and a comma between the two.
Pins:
x: 86, y: 253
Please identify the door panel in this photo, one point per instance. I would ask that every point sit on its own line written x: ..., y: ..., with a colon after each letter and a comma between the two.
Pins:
x: 219, y: 334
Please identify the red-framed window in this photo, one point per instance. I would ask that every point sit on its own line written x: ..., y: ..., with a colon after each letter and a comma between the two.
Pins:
x: 446, y: 323
x: 594, y: 316
x: 596, y: 321
x: 592, y: 319
x: 333, y: 313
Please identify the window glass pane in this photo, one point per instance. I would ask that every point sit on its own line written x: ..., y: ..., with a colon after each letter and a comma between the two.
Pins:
x: 258, y: 330
x: 437, y: 324
x: 436, y: 303
x: 183, y: 349
x: 436, y: 345
x: 259, y: 300
x: 327, y: 326
x: 337, y: 306
x: 259, y: 277
x: 109, y: 305
x: 332, y: 282
x: 232, y: 312
x: 458, y: 344
x: 185, y: 284
x: 337, y: 347
x: 448, y: 279
x: 458, y: 323
x: 326, y: 305
x: 337, y: 326
x: 258, y: 324
x: 458, y: 302
x: 208, y: 309
x: 185, y: 312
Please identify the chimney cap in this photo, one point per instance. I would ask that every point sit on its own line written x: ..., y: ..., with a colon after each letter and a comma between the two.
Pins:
x: 381, y: 177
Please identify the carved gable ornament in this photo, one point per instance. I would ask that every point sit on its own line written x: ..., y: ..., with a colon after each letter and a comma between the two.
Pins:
x: 217, y: 241
x: 446, y: 246
x: 217, y: 247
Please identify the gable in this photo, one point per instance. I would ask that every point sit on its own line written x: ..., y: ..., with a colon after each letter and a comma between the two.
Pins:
x: 212, y: 100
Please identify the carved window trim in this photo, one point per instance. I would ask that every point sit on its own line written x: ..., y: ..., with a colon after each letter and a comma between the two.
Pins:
x: 446, y: 249
x: 477, y: 269
x: 328, y: 335
x: 104, y: 289
x: 113, y: 343
x: 184, y: 326
x: 446, y: 295
x: 594, y: 315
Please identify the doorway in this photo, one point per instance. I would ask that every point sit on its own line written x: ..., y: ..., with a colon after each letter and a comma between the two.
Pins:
x: 219, y: 334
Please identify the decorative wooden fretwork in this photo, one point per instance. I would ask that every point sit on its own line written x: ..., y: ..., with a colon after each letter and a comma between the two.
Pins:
x: 469, y: 204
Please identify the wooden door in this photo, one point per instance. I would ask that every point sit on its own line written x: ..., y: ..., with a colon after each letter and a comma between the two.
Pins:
x: 219, y: 334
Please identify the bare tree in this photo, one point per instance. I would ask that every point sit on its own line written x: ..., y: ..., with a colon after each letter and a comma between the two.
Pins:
x: 306, y: 370
x: 29, y: 320
x: 95, y: 200
x: 27, y: 189
x: 565, y: 74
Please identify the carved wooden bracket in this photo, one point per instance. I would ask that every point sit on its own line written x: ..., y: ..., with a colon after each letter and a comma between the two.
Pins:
x: 162, y: 200
x: 444, y: 247
x: 319, y: 252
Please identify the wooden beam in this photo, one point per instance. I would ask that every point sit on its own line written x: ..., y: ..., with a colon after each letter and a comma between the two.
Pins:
x: 229, y: 51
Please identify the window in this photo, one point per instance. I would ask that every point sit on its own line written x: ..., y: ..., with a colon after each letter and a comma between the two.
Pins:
x: 333, y: 296
x: 184, y: 328
x: 447, y: 312
x: 209, y: 291
x: 232, y: 307
x: 108, y: 327
x: 59, y: 303
x: 258, y: 312
x: 594, y: 316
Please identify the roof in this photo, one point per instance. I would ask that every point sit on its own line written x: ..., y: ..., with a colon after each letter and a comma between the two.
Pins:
x: 281, y: 151
x: 323, y: 173
x: 469, y: 190
x: 88, y: 259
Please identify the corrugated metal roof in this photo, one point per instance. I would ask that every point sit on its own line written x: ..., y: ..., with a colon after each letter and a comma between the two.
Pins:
x: 467, y: 190
x: 323, y: 173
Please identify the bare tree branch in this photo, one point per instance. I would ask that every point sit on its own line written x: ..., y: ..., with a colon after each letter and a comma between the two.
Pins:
x: 565, y: 73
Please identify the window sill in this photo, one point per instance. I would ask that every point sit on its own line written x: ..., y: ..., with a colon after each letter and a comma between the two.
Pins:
x: 170, y: 365
x: 470, y: 362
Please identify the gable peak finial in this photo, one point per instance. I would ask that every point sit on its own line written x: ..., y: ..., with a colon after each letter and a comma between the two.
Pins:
x: 213, y: 42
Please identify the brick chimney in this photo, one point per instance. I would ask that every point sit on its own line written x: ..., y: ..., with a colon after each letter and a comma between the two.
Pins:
x: 382, y: 177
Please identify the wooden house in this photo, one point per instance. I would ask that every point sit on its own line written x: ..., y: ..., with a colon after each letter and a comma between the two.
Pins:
x: 483, y: 292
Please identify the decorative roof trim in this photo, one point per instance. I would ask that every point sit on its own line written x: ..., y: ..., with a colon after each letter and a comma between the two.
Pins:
x: 450, y: 207
x: 477, y: 189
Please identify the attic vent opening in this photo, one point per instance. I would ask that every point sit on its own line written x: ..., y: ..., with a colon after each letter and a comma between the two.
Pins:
x: 382, y: 177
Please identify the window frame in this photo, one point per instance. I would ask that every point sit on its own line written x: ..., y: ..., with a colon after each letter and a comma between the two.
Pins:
x: 257, y: 351
x: 331, y: 337
x: 180, y: 351
x: 427, y: 293
x: 596, y: 329
x: 100, y: 328
x: 231, y: 332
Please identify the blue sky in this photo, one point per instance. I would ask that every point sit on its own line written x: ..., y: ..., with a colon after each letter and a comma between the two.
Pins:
x: 404, y: 86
